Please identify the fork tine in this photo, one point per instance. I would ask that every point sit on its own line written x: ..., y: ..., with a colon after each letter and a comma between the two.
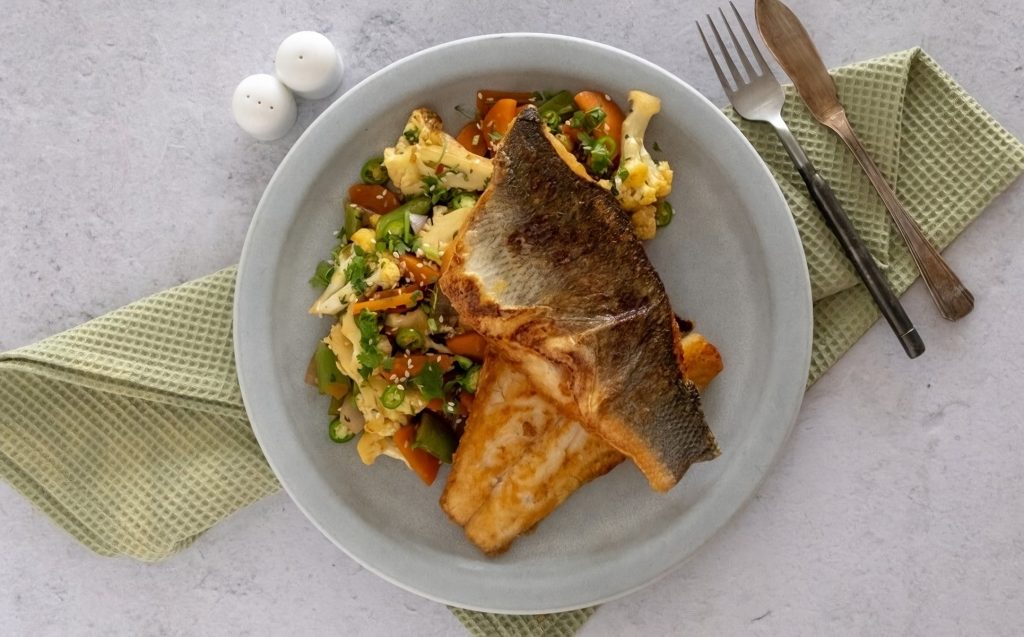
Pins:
x: 750, y: 40
x: 714, y: 63
x: 725, y: 53
x: 739, y: 49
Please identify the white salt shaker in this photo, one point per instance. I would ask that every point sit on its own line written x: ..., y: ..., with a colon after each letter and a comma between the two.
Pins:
x: 309, y: 65
x: 263, y: 107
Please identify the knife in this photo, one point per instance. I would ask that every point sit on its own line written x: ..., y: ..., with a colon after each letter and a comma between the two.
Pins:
x: 788, y: 41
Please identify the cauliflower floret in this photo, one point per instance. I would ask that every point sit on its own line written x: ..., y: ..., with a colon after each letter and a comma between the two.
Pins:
x: 644, y: 225
x: 365, y: 239
x: 645, y: 180
x: 371, y: 446
x: 442, y: 230
x: 340, y: 291
x: 423, y: 147
x: 389, y: 274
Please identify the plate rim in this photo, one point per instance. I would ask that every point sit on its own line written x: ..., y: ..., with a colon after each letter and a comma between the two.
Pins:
x: 246, y: 271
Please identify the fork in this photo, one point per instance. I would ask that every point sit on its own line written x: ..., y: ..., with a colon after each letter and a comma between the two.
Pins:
x: 759, y: 97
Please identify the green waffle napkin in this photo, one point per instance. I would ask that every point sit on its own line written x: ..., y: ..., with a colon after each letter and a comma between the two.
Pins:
x: 129, y: 431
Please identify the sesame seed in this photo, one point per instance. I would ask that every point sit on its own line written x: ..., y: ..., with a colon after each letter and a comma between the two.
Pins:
x: 440, y: 320
x: 608, y: 97
x: 395, y: 254
x: 419, y: 265
x: 380, y: 196
x: 479, y: 96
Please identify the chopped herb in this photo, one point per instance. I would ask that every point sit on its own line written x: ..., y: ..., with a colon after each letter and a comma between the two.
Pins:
x: 623, y: 174
x: 430, y: 381
x: 438, y: 192
x: 463, y: 362
x: 463, y: 110
x: 357, y: 270
x: 495, y: 136
x: 322, y: 277
x: 412, y: 135
x: 587, y: 121
x: 370, y: 357
x: 599, y: 152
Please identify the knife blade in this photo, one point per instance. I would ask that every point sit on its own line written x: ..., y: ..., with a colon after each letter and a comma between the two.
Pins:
x: 799, y: 58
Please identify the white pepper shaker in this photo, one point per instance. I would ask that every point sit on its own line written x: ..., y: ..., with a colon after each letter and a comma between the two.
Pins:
x: 309, y: 65
x: 263, y: 107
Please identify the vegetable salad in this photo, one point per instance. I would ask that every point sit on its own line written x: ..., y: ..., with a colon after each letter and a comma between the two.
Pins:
x: 399, y: 370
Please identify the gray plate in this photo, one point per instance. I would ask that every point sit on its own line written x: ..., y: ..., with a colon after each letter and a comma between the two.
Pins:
x: 731, y: 261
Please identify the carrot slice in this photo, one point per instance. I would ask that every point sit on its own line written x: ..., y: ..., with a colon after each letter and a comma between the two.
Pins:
x: 466, y: 403
x: 471, y: 137
x: 469, y: 344
x: 424, y: 464
x: 372, y: 197
x: 613, y: 116
x: 486, y: 98
x: 421, y: 272
x: 498, y: 120
x: 412, y: 364
x: 400, y: 301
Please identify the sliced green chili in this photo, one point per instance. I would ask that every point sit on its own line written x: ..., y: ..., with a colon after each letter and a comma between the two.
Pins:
x: 397, y: 221
x: 471, y: 379
x: 463, y: 200
x: 338, y: 431
x: 663, y: 213
x: 373, y: 172
x: 409, y: 338
x: 393, y: 396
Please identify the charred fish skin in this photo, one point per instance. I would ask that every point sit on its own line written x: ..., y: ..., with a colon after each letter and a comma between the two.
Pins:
x: 548, y: 262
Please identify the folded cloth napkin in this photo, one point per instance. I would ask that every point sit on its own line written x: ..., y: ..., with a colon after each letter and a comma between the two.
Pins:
x: 129, y: 431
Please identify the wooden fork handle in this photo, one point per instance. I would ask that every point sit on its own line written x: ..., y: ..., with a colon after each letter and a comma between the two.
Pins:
x: 951, y: 297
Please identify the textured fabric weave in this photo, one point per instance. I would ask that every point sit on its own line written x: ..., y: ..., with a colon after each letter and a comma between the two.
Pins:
x: 129, y: 431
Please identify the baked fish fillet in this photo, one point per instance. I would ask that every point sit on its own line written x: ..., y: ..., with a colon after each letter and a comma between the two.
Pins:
x: 523, y: 454
x: 508, y: 416
x: 548, y: 269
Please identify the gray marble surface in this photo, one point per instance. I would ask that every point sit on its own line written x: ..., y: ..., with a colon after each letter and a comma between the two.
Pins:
x: 895, y: 508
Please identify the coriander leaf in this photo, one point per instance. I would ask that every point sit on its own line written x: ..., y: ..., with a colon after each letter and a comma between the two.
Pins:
x: 430, y: 381
x: 357, y: 270
x: 370, y: 357
x: 412, y: 135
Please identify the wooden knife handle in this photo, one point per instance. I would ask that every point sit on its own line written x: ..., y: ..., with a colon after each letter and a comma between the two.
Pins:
x: 951, y: 297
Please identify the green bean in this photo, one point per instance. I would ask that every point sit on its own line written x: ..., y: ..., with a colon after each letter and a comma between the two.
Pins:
x: 353, y: 219
x: 434, y: 436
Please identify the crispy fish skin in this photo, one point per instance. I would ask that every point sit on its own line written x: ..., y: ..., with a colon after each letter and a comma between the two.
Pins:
x: 547, y: 264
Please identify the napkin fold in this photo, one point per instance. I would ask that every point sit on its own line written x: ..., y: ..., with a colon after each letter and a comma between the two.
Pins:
x: 129, y: 431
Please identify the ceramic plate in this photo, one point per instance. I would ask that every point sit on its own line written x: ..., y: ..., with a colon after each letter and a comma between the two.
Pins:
x: 731, y: 261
